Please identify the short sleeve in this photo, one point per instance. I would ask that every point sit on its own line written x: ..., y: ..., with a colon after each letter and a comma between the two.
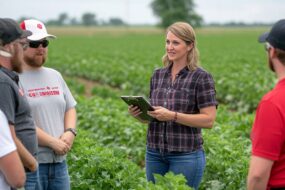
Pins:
x: 206, y: 93
x: 8, y: 102
x: 69, y: 99
x: 268, y: 131
x: 7, y: 144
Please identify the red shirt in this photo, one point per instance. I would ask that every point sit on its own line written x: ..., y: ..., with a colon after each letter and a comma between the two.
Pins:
x: 268, y: 133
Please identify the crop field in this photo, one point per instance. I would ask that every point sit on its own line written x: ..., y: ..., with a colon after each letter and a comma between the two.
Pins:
x: 101, y: 65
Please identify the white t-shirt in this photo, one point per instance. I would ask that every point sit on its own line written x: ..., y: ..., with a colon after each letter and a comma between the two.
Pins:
x: 7, y: 146
x: 49, y: 98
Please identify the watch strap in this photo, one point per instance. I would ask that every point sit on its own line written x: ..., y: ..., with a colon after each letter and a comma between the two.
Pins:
x: 72, y: 130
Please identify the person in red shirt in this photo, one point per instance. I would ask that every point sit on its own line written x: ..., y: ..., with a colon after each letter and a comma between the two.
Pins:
x: 267, y: 164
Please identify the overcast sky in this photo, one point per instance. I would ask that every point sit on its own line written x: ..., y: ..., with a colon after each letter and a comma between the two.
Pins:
x: 139, y: 11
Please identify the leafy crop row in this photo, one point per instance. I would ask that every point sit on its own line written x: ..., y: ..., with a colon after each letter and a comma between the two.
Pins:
x: 94, y: 167
x: 227, y: 145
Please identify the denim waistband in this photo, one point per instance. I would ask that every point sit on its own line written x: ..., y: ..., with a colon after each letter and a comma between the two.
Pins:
x: 170, y: 152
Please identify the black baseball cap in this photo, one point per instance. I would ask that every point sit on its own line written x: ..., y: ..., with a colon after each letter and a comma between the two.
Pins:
x: 10, y: 31
x: 276, y: 36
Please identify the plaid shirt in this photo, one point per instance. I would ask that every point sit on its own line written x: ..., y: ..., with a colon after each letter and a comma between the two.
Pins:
x: 189, y: 92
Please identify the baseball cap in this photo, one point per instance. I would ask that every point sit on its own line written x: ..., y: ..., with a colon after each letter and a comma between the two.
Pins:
x: 276, y: 36
x: 37, y: 28
x: 10, y: 31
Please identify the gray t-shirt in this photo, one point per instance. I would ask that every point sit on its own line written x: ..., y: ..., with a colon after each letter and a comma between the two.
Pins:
x: 16, y: 108
x: 49, y: 98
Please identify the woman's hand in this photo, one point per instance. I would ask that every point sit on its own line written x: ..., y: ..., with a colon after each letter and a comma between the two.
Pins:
x: 134, y: 111
x: 161, y: 114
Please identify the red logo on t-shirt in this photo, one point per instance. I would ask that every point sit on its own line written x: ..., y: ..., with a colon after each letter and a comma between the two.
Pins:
x: 47, y: 91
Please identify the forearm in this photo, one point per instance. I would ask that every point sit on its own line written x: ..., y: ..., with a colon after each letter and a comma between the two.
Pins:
x: 56, y: 144
x: 44, y: 139
x: 204, y: 119
x: 256, y: 183
x: 27, y: 159
x: 69, y: 122
x: 70, y: 118
x: 12, y: 168
x: 259, y: 173
x: 195, y: 120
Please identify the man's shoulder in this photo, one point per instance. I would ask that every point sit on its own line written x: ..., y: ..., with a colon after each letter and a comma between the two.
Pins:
x: 274, y: 93
x: 275, y: 96
x: 5, y: 78
x: 51, y: 70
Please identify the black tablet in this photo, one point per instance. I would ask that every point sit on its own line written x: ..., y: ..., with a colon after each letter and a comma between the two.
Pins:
x: 142, y: 103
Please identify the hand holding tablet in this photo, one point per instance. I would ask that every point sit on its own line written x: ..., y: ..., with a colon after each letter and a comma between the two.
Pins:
x: 140, y: 102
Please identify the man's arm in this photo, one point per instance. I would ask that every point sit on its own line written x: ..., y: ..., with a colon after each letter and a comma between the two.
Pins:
x: 27, y: 159
x: 57, y: 145
x: 13, y: 170
x: 259, y: 172
x: 69, y: 122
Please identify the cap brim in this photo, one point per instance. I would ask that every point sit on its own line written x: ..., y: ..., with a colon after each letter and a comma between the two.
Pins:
x: 263, y: 37
x: 26, y: 33
x: 40, y: 37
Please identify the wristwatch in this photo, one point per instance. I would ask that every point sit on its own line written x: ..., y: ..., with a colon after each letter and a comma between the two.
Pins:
x: 73, y: 130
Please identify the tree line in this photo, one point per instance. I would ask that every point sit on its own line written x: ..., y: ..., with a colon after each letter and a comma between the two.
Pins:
x: 168, y: 12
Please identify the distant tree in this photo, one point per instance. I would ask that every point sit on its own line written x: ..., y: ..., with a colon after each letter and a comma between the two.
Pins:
x: 170, y: 11
x: 52, y: 22
x: 89, y: 19
x: 116, y: 22
x: 62, y: 19
x: 73, y: 21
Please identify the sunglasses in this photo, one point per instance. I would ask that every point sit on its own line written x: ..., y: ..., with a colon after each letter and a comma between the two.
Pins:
x: 36, y: 44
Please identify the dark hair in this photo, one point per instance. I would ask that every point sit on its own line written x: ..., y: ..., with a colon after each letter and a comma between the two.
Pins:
x: 280, y: 55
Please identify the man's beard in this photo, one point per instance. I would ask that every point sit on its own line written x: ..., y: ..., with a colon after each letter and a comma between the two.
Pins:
x: 17, y: 61
x: 36, y: 61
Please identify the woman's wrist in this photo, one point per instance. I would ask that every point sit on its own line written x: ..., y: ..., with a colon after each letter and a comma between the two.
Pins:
x: 175, y: 117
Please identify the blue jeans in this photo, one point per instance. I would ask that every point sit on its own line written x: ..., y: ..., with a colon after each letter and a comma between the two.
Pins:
x: 54, y: 176
x: 191, y: 165
x: 32, y: 180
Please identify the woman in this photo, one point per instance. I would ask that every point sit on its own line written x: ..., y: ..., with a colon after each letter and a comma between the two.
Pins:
x: 183, y: 96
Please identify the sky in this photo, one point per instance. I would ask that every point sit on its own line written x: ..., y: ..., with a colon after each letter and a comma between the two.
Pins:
x: 140, y: 12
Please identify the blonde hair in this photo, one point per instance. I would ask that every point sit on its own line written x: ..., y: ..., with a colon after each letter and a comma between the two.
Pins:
x: 185, y: 32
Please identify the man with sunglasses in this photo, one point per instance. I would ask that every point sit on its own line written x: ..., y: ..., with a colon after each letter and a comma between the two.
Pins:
x: 267, y: 164
x: 53, y: 108
x: 12, y: 101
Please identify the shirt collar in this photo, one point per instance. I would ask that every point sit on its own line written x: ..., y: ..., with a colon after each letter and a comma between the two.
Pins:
x: 13, y: 75
x: 182, y: 71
